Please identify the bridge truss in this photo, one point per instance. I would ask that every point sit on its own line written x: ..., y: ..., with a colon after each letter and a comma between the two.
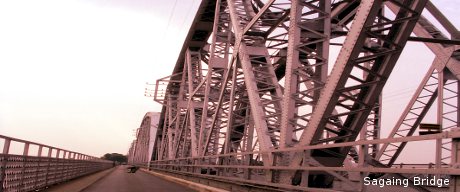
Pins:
x: 256, y: 97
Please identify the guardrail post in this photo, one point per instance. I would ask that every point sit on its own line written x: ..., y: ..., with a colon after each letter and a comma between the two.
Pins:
x: 58, y: 166
x: 6, y: 146
x: 454, y: 184
x: 6, y: 150
x: 39, y: 152
x: 39, y: 162
x: 50, y: 152
x: 25, y: 153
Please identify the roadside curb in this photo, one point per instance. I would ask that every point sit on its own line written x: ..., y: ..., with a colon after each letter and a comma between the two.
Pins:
x: 196, y: 186
x: 100, y: 178
x: 81, y: 183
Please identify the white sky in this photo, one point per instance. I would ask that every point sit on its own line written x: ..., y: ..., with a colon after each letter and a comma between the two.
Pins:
x: 73, y: 72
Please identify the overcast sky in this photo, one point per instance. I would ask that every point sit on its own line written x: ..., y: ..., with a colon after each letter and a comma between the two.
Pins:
x: 73, y: 72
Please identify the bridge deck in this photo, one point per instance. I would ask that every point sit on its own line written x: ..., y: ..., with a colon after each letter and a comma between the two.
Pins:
x: 120, y: 181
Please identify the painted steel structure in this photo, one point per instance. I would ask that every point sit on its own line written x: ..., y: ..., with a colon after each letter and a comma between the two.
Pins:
x: 34, y: 170
x: 140, y: 152
x: 251, y: 99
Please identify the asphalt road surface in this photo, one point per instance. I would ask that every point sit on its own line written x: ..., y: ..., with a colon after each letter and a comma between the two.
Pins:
x: 122, y: 181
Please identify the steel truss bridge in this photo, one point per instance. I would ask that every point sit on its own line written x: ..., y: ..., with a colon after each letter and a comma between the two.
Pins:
x: 256, y: 97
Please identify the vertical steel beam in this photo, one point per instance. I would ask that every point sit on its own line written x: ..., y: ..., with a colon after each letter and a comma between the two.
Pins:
x: 454, y: 185
x: 265, y: 135
x: 164, y: 137
x: 306, y: 64
x: 439, y: 117
x: 228, y: 143
x: 170, y: 131
x: 208, y: 136
x: 290, y: 79
x: 363, y: 151
x: 217, y: 69
x: 191, y: 105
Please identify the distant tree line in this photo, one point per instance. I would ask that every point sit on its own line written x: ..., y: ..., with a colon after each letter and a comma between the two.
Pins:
x: 115, y: 157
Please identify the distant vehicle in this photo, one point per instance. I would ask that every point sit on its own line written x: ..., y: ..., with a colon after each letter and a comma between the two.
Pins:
x: 132, y: 169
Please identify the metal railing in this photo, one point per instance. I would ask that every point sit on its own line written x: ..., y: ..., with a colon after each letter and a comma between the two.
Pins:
x: 39, y: 166
x: 244, y: 168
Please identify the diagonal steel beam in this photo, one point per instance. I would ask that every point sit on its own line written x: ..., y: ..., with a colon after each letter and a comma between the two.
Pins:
x: 362, y: 26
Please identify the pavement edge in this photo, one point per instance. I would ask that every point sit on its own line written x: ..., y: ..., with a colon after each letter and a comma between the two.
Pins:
x: 100, y: 178
x: 196, y: 186
x: 79, y: 184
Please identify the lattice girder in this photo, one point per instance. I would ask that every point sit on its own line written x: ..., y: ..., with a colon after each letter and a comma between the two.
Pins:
x: 254, y: 89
